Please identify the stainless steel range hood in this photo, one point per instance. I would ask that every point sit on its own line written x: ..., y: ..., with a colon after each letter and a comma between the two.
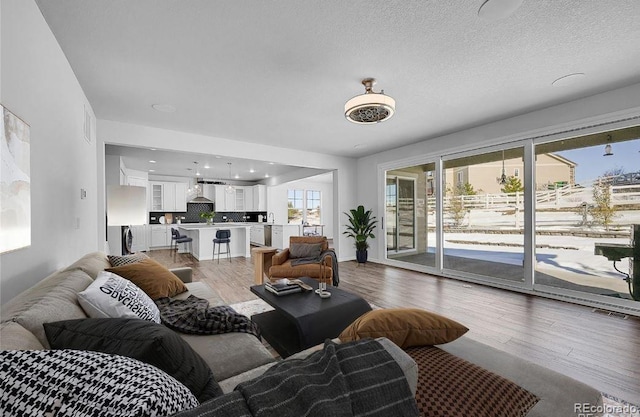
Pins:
x: 200, y: 199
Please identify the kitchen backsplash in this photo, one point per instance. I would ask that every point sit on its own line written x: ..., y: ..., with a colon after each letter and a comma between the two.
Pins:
x: 192, y: 215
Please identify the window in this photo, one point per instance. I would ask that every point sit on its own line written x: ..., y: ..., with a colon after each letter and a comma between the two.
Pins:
x: 295, y: 206
x: 312, y: 208
x: 460, y: 178
x: 516, y: 172
x: 304, y: 206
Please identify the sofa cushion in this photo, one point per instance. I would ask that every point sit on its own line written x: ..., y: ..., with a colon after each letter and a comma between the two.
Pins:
x: 305, y: 250
x: 91, y: 263
x: 229, y: 354
x: 53, y: 300
x: 201, y: 290
x: 405, y: 327
x: 151, y: 277
x: 77, y: 382
x: 13, y: 336
x: 143, y: 340
x: 119, y: 260
x: 111, y: 296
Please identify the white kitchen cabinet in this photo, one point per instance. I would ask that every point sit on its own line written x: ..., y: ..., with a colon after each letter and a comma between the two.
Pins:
x: 225, y: 201
x: 168, y: 196
x: 160, y: 235
x: 181, y: 196
x: 280, y: 234
x: 256, y: 235
x: 239, y: 197
x: 259, y: 202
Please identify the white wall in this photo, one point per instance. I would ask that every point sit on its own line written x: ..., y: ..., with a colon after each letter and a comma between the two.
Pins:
x: 277, y: 200
x: 39, y: 86
x: 590, y: 111
x: 344, y: 169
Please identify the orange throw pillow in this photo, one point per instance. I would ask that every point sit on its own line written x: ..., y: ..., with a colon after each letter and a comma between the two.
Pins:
x: 152, y: 277
x: 405, y: 327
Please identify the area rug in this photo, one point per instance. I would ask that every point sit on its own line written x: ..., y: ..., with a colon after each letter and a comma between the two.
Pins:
x: 612, y: 406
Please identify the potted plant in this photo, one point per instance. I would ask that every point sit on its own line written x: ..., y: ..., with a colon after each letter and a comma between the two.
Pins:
x: 208, y: 215
x: 360, y: 228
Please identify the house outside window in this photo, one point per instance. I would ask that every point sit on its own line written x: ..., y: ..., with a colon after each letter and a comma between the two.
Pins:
x: 516, y: 172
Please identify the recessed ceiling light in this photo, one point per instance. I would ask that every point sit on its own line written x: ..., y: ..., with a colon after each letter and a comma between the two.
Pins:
x: 498, y: 9
x: 271, y: 163
x: 152, y: 170
x: 568, y: 80
x: 152, y: 149
x: 237, y: 176
x: 252, y: 170
x: 152, y: 161
x: 266, y: 175
x: 218, y: 157
x: 206, y: 167
x: 164, y: 108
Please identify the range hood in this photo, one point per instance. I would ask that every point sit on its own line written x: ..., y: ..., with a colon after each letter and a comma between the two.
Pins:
x: 200, y: 199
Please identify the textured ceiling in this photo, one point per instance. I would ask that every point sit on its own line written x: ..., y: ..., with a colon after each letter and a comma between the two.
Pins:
x: 279, y: 72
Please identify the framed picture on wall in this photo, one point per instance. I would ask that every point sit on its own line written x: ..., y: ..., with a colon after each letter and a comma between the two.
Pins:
x: 15, y: 183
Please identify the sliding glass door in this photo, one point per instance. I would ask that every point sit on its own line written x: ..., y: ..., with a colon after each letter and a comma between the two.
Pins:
x: 410, y: 214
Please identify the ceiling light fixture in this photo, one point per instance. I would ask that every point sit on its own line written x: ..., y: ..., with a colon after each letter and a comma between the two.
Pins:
x: 498, y: 9
x: 503, y: 178
x: 370, y: 107
x: 608, y: 151
x: 229, y: 189
x: 164, y: 108
x: 152, y: 161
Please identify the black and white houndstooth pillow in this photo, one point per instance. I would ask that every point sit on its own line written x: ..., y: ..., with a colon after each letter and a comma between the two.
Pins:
x: 77, y: 382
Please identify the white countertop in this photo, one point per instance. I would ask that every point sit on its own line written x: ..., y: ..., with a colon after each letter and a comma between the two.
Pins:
x: 197, y: 226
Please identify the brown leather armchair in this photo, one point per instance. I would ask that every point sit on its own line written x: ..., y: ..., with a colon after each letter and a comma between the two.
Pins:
x: 281, y: 262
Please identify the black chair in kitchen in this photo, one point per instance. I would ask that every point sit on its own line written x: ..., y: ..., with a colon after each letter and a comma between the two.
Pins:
x: 177, y: 238
x: 222, y: 236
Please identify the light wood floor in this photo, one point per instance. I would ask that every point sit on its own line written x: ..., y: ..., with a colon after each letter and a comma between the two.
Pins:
x: 598, y: 349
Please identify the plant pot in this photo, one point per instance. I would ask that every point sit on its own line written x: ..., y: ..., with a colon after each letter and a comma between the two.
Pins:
x: 361, y: 256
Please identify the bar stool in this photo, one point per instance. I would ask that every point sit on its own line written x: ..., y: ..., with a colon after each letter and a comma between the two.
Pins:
x: 222, y: 236
x: 176, y: 238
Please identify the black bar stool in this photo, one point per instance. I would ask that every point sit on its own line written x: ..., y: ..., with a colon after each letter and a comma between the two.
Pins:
x: 222, y: 236
x: 177, y: 238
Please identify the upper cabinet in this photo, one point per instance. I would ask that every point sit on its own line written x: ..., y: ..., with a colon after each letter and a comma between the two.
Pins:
x: 168, y: 196
x: 241, y: 198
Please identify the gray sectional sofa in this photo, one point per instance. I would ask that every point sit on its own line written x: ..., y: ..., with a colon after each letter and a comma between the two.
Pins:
x: 237, y: 357
x: 232, y: 357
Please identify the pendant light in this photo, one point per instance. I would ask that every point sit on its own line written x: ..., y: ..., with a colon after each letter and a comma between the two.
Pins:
x: 503, y: 178
x: 229, y: 189
x: 608, y: 151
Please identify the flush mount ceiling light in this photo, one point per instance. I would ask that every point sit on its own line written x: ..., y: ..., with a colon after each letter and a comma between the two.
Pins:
x: 164, y: 108
x: 370, y: 107
x: 498, y: 9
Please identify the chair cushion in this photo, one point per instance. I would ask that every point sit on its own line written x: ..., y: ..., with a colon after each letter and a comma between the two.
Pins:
x: 286, y: 270
x: 153, y: 278
x: 310, y: 239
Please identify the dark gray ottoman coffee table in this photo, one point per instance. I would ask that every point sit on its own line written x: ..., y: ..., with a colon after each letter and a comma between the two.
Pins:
x: 302, y: 320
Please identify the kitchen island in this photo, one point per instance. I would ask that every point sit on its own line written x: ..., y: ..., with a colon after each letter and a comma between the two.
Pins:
x: 203, y: 235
